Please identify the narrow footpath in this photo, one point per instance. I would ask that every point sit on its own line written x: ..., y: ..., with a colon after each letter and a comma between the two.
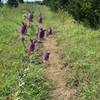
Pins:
x: 56, y: 72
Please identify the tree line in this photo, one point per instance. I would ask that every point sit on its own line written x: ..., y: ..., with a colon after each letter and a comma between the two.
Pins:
x: 12, y: 3
x: 82, y: 10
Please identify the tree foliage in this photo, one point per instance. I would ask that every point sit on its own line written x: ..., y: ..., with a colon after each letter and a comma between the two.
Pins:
x: 21, y: 1
x: 1, y: 4
x: 12, y: 3
x: 84, y: 10
x: 56, y: 4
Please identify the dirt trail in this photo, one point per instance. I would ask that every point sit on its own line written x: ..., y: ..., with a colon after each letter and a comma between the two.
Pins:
x: 55, y: 72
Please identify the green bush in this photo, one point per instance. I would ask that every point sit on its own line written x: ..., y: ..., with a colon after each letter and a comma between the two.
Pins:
x: 12, y: 3
x: 82, y: 10
x: 56, y: 4
x: 88, y: 10
x: 21, y: 1
x: 1, y: 3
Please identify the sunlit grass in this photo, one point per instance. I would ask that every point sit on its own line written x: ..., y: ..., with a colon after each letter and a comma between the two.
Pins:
x: 81, y: 50
x: 14, y: 81
x: 81, y: 56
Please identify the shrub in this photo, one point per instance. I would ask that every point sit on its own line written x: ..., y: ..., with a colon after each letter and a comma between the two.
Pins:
x: 20, y: 1
x: 82, y: 10
x: 12, y: 3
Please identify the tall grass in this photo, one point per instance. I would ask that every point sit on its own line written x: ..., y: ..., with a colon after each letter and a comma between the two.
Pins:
x: 19, y: 79
x: 82, y: 58
x: 81, y: 50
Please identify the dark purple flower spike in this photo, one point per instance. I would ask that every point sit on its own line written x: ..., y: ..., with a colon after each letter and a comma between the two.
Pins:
x: 41, y: 34
x: 46, y: 56
x: 30, y: 16
x: 23, y: 31
x: 40, y: 19
x: 31, y: 46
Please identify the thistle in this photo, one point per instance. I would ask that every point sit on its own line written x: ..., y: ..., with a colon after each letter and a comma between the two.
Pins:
x: 23, y: 29
x: 31, y: 46
x: 30, y: 16
x: 41, y: 34
x: 40, y: 19
x: 46, y: 56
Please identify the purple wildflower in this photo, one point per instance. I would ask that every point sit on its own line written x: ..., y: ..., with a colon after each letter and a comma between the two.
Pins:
x: 30, y: 17
x: 31, y: 47
x: 46, y: 56
x: 23, y: 29
x: 40, y: 19
x: 41, y: 34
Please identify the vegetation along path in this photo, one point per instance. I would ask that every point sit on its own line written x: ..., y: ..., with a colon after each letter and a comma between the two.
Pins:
x: 56, y: 72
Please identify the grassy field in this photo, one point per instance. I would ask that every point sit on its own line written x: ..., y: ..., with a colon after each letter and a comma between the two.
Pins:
x: 81, y: 53
x: 81, y: 57
x: 15, y: 82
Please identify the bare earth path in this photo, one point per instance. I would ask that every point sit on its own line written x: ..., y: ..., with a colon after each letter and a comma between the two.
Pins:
x: 55, y: 72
